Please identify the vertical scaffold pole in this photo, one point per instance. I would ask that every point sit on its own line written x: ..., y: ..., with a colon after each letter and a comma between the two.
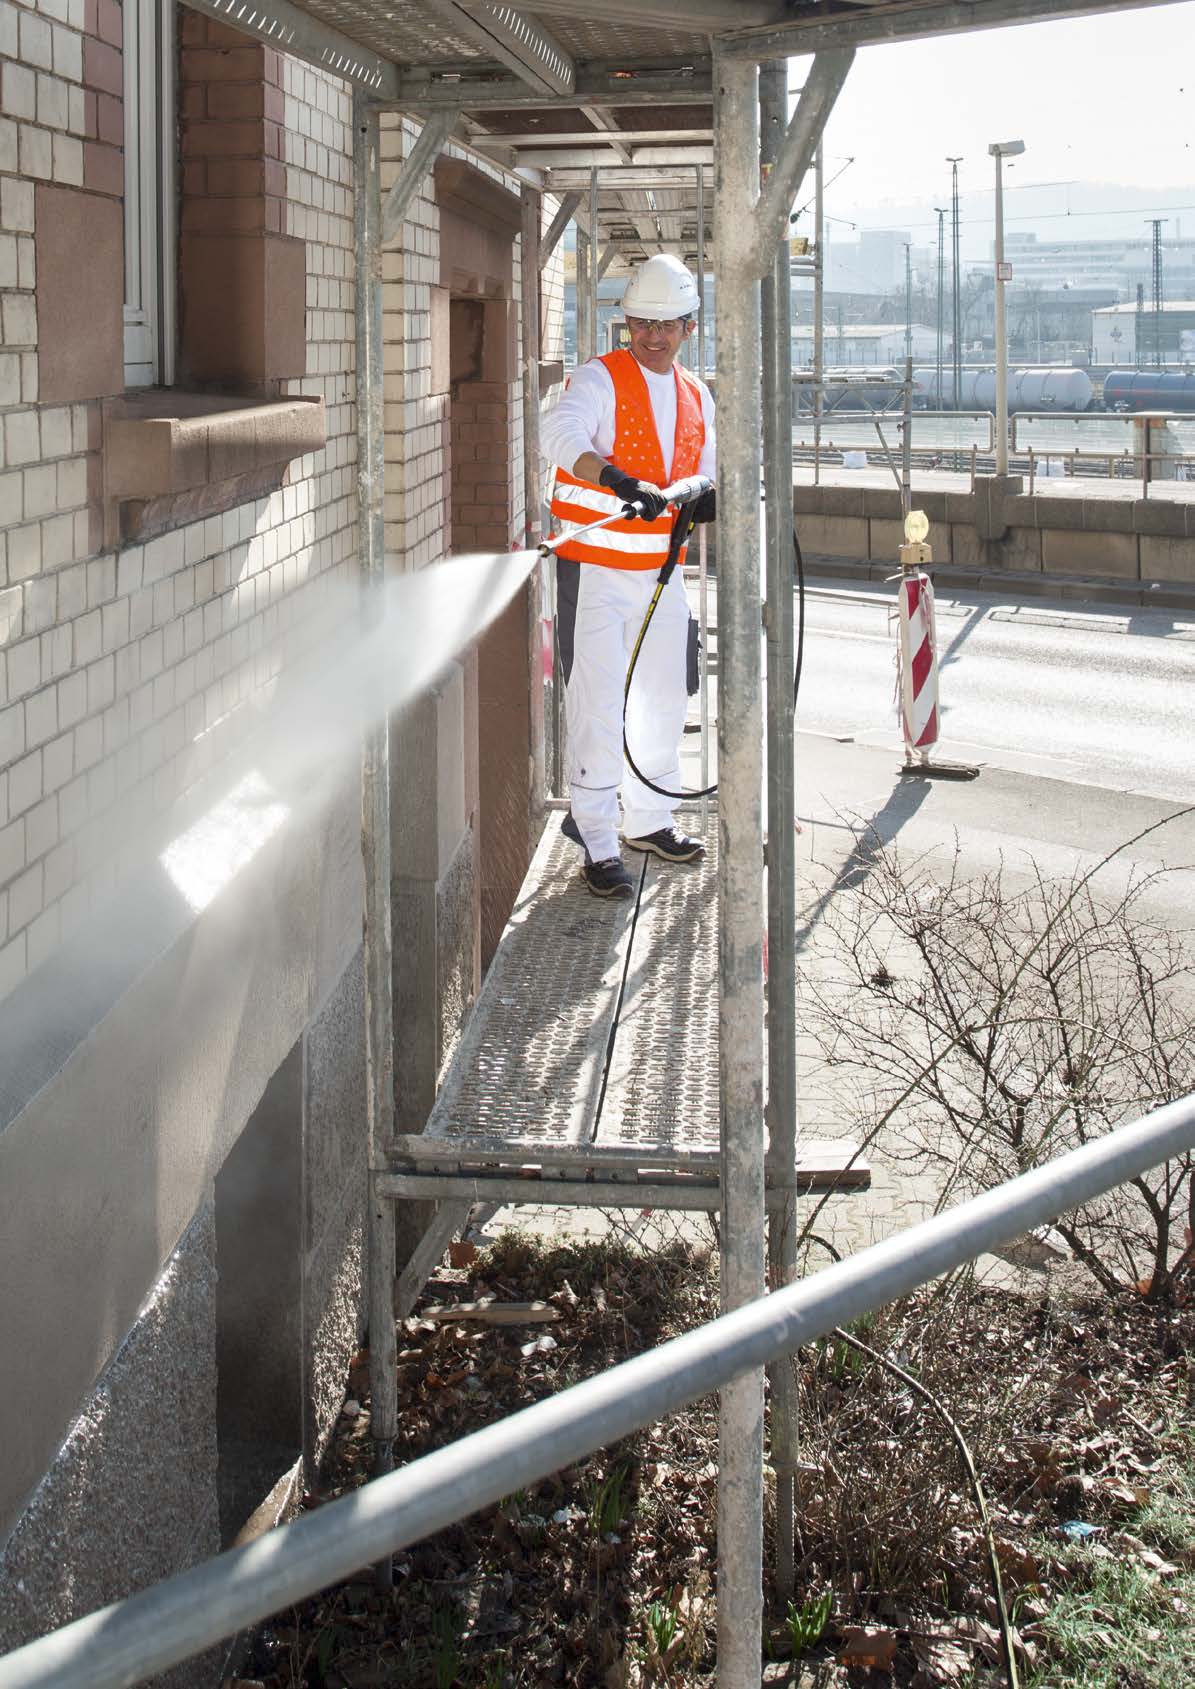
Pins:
x: 531, y: 228
x: 375, y: 795
x: 581, y: 290
x: 781, y: 856
x: 595, y: 269
x: 819, y: 312
x: 740, y: 860
x: 703, y: 594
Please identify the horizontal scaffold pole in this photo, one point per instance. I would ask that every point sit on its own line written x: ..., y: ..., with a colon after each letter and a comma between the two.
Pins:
x: 132, y: 1640
x: 295, y: 31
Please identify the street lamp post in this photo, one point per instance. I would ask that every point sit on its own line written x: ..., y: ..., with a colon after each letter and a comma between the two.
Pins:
x: 1000, y: 150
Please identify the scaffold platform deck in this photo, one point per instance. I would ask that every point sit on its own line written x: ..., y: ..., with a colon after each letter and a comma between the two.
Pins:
x: 588, y: 1071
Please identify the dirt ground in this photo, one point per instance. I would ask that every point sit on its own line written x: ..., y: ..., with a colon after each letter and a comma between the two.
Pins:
x: 1078, y: 1414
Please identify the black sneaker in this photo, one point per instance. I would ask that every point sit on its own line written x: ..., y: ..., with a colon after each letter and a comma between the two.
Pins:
x: 607, y: 879
x: 670, y: 845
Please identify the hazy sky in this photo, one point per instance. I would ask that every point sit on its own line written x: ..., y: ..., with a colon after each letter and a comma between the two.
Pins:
x: 1107, y: 99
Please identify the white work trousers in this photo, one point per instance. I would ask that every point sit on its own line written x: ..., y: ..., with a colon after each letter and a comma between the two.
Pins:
x: 611, y: 605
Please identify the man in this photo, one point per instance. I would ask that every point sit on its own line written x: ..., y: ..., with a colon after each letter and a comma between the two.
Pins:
x: 629, y: 423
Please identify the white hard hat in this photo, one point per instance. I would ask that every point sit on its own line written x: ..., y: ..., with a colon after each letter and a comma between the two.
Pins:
x: 661, y: 288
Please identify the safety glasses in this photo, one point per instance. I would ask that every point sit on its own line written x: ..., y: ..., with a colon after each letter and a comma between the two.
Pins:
x: 670, y: 325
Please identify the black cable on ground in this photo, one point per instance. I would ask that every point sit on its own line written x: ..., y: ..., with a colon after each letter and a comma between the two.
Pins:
x: 960, y: 1442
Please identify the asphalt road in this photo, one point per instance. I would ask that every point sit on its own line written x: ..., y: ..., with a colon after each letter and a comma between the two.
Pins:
x: 1099, y: 696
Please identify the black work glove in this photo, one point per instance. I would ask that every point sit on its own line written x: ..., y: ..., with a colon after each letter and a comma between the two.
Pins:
x: 642, y: 499
x: 706, y: 508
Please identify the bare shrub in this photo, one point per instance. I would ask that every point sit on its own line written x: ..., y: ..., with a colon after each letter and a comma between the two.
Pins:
x: 988, y: 1030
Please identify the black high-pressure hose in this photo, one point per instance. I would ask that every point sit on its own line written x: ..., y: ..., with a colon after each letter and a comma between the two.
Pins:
x: 682, y: 527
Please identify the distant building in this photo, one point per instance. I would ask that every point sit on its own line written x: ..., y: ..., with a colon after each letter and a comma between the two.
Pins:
x: 1117, y: 264
x: 875, y: 263
x: 863, y: 343
x: 1122, y: 335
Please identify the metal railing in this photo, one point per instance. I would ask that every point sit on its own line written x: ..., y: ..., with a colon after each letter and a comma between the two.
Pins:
x: 1125, y: 446
x: 146, y: 1633
x: 934, y: 432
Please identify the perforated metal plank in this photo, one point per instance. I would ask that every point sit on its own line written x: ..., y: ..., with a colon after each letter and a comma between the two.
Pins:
x: 531, y: 1060
x: 662, y: 1086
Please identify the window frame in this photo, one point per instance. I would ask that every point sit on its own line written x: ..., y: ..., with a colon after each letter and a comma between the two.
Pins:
x: 150, y: 170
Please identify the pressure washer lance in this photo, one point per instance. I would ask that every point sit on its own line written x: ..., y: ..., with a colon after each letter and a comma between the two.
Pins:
x: 684, y: 494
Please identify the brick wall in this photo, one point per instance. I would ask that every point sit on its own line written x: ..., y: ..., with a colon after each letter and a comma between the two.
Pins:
x: 419, y: 461
x: 125, y: 675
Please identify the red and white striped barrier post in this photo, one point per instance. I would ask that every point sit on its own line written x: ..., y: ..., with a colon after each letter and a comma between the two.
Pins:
x: 918, y: 655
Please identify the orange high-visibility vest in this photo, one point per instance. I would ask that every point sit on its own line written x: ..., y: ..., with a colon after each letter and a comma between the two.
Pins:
x: 637, y: 451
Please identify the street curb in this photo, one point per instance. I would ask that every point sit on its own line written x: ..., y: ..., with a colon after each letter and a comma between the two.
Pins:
x: 1103, y: 589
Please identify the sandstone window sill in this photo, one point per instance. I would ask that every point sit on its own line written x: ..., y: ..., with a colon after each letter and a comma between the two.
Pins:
x: 170, y: 456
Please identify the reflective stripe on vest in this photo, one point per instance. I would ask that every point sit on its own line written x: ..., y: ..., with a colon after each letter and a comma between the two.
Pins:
x: 633, y: 544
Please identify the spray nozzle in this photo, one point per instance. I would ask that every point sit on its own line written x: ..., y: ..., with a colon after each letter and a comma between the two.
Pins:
x: 688, y: 489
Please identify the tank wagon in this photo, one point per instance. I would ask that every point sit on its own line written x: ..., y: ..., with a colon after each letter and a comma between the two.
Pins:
x: 1148, y: 390
x: 1047, y: 389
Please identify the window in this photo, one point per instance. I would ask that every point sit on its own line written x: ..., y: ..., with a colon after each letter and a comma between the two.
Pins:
x: 149, y: 172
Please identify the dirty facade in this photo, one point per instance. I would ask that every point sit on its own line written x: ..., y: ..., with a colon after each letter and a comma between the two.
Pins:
x: 182, y: 1020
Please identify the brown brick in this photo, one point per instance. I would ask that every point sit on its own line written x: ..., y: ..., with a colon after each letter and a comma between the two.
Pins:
x: 224, y: 64
x: 110, y: 119
x: 271, y: 67
x: 223, y: 216
x: 233, y: 100
x: 91, y: 15
x: 273, y: 102
x: 194, y: 28
x: 102, y: 67
x: 108, y: 23
x: 273, y: 140
x: 90, y: 120
x: 275, y: 177
x: 193, y: 104
x: 275, y: 218
x: 240, y: 177
x: 225, y: 35
x: 103, y: 168
x: 194, y: 179
x: 222, y: 140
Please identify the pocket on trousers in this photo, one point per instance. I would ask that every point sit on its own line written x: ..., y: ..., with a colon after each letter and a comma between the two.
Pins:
x: 693, y: 657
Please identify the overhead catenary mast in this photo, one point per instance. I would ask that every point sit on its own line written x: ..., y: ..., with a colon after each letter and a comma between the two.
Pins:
x: 941, y: 210
x: 1156, y: 225
x: 956, y: 297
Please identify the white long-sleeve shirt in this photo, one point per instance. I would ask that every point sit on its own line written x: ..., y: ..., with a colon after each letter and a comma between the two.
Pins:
x: 583, y: 421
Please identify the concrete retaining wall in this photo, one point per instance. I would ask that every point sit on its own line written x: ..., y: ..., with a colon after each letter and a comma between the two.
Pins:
x: 1143, y: 545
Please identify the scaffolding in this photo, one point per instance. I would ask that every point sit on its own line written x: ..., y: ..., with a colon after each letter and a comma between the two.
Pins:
x: 614, y: 82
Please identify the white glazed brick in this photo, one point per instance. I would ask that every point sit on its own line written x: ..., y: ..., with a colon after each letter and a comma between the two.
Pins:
x: 16, y: 205
x: 68, y: 53
x: 37, y: 41
x: 22, y: 443
x: 53, y: 105
x: 25, y: 783
x: 12, y: 965
x: 35, y: 152
x: 18, y: 90
x: 13, y: 739
x: 67, y: 161
x: 57, y: 432
x: 19, y: 318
